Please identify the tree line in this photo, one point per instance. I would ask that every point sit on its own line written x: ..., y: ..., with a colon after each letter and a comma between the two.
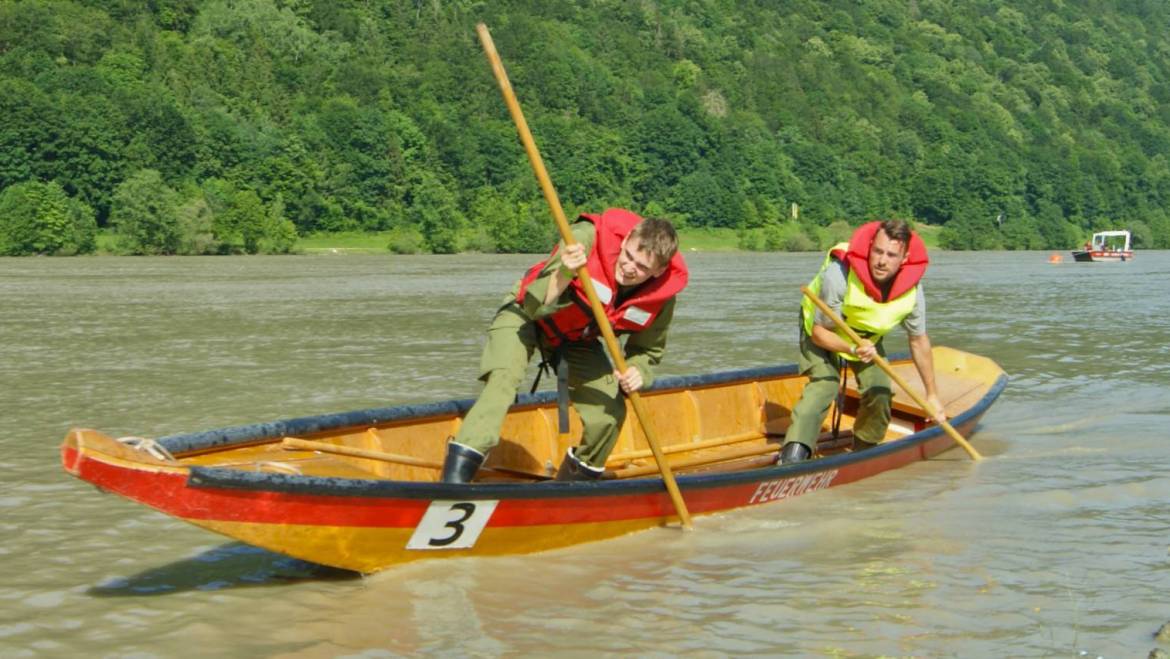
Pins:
x: 233, y: 126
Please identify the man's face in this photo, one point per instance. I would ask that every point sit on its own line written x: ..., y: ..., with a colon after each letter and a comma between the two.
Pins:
x: 635, y: 265
x: 885, y: 257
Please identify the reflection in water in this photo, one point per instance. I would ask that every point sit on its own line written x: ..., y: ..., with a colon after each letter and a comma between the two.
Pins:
x: 232, y: 565
x: 1053, y: 546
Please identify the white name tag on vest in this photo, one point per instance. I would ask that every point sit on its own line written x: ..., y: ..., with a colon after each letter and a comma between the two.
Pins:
x: 604, y: 293
x: 636, y: 315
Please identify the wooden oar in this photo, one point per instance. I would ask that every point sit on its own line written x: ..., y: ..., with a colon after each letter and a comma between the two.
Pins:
x: 885, y: 366
x: 550, y: 195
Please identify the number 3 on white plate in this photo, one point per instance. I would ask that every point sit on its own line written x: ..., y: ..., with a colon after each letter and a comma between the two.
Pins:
x: 452, y: 524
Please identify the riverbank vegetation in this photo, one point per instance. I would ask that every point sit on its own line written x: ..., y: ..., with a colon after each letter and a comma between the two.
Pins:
x: 245, y: 126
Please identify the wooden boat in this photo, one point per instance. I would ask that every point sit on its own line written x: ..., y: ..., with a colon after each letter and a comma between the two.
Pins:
x: 1106, y: 247
x: 358, y: 490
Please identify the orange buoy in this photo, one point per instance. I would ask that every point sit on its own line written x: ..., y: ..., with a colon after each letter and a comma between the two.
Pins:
x: 1055, y: 258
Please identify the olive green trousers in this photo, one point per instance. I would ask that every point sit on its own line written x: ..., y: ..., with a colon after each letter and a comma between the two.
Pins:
x: 512, y: 339
x: 808, y: 415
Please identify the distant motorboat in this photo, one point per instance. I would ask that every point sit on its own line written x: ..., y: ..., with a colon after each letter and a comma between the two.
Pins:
x: 1106, y: 246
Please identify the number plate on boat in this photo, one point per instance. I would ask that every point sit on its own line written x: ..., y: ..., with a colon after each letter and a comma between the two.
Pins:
x: 452, y: 524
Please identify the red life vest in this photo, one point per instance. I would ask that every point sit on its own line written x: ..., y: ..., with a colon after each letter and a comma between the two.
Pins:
x: 907, y: 277
x: 634, y: 313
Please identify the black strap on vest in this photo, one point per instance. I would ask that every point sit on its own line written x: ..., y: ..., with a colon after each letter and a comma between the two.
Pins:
x: 563, y: 399
x: 839, y: 407
x: 554, y: 361
x: 549, y: 361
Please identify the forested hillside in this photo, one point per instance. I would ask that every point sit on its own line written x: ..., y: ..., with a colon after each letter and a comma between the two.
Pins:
x: 191, y: 126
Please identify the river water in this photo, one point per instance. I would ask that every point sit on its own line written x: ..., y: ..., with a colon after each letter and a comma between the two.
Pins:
x: 1058, y: 544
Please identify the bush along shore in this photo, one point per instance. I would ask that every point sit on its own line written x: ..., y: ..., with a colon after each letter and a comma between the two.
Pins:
x: 780, y: 239
x: 244, y: 127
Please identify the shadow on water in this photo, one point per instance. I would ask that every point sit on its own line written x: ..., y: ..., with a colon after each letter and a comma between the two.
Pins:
x: 234, y: 565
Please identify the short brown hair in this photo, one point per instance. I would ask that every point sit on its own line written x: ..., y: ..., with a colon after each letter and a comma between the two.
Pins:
x: 897, y: 230
x: 658, y: 237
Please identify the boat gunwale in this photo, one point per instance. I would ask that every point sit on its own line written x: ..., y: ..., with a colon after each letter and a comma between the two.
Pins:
x: 234, y: 479
x: 234, y: 436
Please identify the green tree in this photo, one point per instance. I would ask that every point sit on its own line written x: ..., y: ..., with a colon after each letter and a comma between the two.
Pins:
x: 708, y: 202
x: 280, y: 234
x: 434, y: 210
x: 1021, y: 233
x: 357, y: 115
x: 511, y: 226
x: 1143, y: 237
x: 247, y: 225
x: 144, y: 215
x: 39, y: 218
x: 240, y: 227
x: 1159, y: 229
x: 195, y: 227
x: 1054, y: 230
x: 161, y: 136
x: 671, y: 146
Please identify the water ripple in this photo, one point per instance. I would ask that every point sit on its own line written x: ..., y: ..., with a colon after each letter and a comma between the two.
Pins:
x: 1055, y: 545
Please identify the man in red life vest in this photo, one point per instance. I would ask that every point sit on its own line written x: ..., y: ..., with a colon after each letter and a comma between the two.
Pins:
x: 874, y: 283
x: 637, y: 272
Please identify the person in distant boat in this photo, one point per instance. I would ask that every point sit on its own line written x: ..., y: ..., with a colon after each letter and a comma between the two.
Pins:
x: 637, y: 272
x: 873, y: 282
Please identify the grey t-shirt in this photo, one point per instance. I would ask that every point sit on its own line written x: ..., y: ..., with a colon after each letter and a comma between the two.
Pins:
x: 833, y: 293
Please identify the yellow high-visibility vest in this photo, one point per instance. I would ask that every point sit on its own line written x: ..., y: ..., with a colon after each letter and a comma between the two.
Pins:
x: 868, y: 317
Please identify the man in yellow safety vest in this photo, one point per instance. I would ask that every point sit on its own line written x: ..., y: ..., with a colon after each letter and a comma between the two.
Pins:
x: 874, y: 283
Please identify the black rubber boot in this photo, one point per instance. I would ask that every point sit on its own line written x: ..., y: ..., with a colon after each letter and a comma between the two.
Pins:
x: 573, y: 469
x: 859, y: 445
x: 461, y: 464
x: 794, y: 452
